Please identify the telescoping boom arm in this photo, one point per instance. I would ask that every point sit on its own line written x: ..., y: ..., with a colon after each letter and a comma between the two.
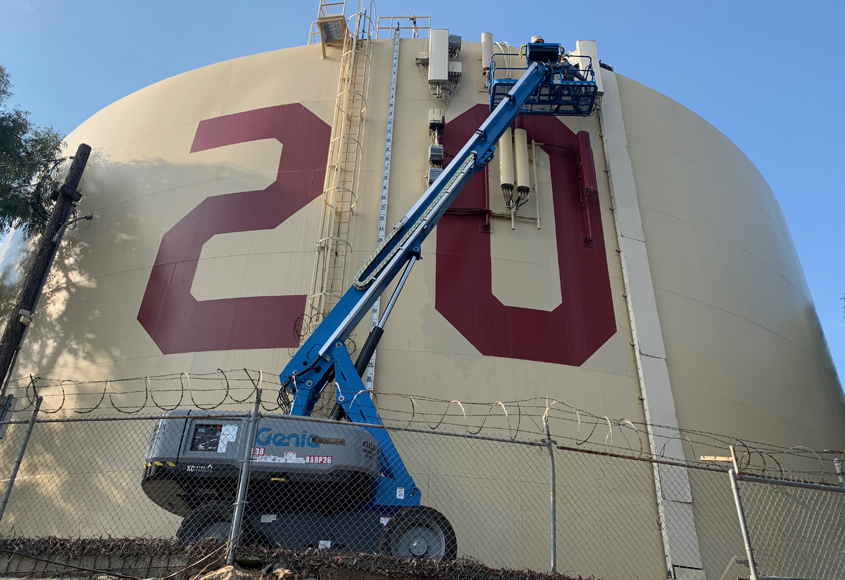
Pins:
x: 324, y: 357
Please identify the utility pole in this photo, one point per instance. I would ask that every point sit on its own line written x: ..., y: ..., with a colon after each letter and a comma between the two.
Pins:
x: 21, y: 315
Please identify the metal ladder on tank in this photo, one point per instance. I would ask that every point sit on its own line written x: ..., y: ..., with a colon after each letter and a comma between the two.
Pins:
x: 339, y: 192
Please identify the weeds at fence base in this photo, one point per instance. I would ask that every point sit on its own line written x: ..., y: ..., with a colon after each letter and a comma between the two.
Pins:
x: 83, y: 557
x: 326, y: 565
x: 159, y: 558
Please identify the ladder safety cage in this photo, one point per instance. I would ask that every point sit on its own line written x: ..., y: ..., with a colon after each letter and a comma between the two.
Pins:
x: 570, y: 90
x: 342, y: 175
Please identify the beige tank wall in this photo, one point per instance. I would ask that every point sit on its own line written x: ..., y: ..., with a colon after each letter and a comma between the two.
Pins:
x: 142, y: 179
x: 745, y: 349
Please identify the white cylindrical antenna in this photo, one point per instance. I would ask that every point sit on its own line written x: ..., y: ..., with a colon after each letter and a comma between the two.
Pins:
x: 486, y: 51
x: 506, y: 161
x: 520, y: 147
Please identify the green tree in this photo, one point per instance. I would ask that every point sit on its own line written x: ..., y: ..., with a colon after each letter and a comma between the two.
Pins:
x: 29, y: 157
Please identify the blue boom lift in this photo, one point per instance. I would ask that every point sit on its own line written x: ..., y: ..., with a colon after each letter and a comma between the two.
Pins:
x: 308, y: 507
x: 549, y: 86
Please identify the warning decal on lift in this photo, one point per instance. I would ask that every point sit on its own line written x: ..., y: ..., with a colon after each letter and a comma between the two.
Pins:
x: 229, y: 433
x: 288, y: 457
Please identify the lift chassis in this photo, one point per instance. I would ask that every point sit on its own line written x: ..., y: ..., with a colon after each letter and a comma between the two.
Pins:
x: 391, y: 510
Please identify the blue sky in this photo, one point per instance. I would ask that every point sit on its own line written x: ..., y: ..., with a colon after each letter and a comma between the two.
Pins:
x: 768, y: 74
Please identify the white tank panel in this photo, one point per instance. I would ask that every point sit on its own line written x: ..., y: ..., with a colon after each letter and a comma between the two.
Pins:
x: 505, y: 153
x: 438, y: 56
x: 486, y: 49
x: 589, y: 55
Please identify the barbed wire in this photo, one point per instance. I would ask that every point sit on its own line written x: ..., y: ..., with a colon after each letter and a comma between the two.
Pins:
x: 228, y: 383
x: 537, y: 416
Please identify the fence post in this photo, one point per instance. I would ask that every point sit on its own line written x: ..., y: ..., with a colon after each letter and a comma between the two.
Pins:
x: 18, y: 461
x: 553, y: 520
x: 752, y: 565
x: 243, y: 484
x: 837, y: 463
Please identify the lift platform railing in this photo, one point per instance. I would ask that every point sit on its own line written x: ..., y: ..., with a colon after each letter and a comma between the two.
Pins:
x: 570, y: 92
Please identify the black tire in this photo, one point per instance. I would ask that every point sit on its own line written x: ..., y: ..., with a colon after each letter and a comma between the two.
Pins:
x: 419, y: 532
x: 213, y: 521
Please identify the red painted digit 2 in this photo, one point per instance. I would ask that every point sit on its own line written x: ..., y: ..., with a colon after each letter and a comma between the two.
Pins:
x: 175, y: 320
x: 584, y: 321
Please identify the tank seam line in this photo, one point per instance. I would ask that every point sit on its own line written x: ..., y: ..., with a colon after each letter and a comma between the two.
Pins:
x: 740, y: 192
x: 195, y: 184
x: 799, y: 347
x: 778, y: 272
x: 825, y: 435
x: 589, y: 370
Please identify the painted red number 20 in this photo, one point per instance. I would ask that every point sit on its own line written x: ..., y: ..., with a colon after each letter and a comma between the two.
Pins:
x: 569, y: 334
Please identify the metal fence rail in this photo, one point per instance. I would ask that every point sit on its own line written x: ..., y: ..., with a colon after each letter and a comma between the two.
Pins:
x: 510, y: 502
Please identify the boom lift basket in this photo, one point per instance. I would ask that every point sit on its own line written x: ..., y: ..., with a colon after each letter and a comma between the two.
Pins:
x: 571, y: 91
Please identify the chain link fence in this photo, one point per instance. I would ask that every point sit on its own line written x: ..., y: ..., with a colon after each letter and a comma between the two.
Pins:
x: 507, y: 503
x: 796, y: 529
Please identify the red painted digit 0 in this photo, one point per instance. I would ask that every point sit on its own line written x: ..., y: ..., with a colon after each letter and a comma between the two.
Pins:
x: 175, y: 320
x: 584, y: 321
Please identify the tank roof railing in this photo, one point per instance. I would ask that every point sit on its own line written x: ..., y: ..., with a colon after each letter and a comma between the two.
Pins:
x: 419, y: 25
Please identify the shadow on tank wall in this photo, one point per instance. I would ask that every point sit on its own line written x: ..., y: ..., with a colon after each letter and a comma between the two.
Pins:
x: 88, y: 312
x: 86, y: 321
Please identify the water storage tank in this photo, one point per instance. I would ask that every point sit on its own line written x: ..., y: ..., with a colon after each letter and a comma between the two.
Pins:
x: 207, y: 194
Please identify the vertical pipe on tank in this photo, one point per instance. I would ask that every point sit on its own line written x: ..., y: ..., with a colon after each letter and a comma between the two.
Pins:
x: 486, y: 55
x: 585, y: 156
x: 534, y: 163
x: 588, y: 178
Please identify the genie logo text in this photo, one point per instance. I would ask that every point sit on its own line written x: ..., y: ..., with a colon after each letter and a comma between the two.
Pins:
x: 266, y: 436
